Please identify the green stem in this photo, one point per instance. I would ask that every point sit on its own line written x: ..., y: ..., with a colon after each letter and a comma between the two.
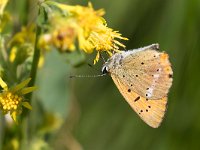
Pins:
x: 33, y: 74
x: 24, y: 132
x: 26, y: 15
x: 35, y: 62
x: 34, y: 67
x: 2, y: 130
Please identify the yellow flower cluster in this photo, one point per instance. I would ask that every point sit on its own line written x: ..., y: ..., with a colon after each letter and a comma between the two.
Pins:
x: 85, y: 25
x: 12, y: 100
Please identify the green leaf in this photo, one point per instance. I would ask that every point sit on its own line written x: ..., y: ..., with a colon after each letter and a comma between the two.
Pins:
x: 54, y: 91
x: 27, y: 105
x: 28, y: 90
x: 21, y: 85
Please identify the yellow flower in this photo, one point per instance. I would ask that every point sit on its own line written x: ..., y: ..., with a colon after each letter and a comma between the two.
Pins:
x: 90, y: 29
x: 86, y: 17
x: 2, y: 6
x: 62, y: 35
x: 45, y: 41
x: 21, y: 44
x: 4, y: 16
x: 12, y: 99
x: 64, y: 38
x: 26, y: 35
x: 13, y: 54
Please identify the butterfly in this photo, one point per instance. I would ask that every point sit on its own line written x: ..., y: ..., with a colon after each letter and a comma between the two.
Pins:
x: 144, y: 77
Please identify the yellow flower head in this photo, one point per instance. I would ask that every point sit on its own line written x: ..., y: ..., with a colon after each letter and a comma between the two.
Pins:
x: 88, y: 26
x: 12, y: 100
x: 26, y: 35
x: 62, y: 34
x: 86, y: 17
x: 21, y: 44
x: 64, y: 38
x: 2, y: 6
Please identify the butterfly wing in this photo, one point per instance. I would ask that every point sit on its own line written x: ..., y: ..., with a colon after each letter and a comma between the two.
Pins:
x: 150, y: 111
x: 147, y: 72
x: 143, y: 77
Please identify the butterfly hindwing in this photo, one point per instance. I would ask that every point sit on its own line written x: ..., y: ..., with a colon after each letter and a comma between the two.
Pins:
x: 150, y: 111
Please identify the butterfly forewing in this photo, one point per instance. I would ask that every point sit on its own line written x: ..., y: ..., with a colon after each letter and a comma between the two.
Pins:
x: 146, y: 72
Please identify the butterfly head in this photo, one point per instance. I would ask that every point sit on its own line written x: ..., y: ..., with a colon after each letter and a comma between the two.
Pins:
x: 104, y: 70
x: 106, y: 67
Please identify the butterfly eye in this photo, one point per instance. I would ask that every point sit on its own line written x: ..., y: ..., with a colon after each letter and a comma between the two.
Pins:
x: 104, y: 70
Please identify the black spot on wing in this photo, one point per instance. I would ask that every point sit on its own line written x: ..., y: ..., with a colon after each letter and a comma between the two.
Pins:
x: 170, y: 75
x: 137, y: 98
x: 140, y: 111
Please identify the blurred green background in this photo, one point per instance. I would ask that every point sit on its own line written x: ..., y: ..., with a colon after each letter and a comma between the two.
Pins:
x: 96, y: 116
x: 106, y: 121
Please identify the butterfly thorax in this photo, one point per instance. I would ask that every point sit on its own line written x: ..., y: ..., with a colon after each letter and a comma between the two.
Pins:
x: 112, y: 63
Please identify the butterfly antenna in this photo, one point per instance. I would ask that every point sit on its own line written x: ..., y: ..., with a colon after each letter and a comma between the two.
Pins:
x: 91, y: 66
x: 86, y: 76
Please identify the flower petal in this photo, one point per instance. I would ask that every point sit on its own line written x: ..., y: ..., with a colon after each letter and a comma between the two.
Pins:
x: 3, y: 84
x: 13, y: 53
x: 109, y: 53
x: 2, y: 5
x: 97, y: 58
x: 14, y: 116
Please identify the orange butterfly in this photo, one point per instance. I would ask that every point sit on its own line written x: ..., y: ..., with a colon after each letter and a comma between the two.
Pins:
x: 143, y: 76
